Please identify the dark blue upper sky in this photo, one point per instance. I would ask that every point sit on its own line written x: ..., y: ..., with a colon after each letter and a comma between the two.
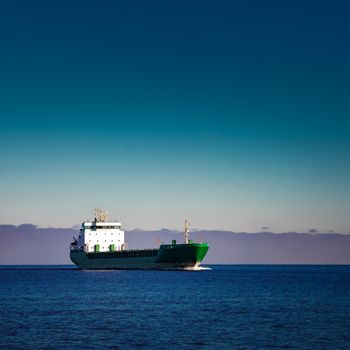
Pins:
x: 233, y: 113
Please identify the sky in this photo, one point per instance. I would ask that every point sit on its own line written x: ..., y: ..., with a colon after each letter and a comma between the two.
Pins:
x: 232, y: 114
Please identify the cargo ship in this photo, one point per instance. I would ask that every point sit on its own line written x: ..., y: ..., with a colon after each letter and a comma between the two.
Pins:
x: 101, y: 246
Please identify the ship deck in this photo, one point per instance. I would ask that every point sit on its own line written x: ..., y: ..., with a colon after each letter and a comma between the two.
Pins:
x: 134, y: 253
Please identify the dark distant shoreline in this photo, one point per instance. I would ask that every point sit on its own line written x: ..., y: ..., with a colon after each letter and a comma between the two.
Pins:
x: 30, y: 245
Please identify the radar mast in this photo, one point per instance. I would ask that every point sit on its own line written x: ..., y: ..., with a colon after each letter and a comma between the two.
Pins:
x: 100, y: 216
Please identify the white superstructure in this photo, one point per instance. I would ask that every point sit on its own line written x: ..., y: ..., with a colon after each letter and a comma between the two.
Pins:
x: 100, y: 235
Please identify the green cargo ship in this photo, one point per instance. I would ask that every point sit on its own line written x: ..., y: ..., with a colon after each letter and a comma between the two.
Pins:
x: 101, y: 246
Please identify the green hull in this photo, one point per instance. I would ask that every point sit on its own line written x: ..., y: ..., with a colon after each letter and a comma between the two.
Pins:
x: 166, y: 257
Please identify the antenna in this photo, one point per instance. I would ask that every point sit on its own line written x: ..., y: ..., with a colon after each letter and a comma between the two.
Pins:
x: 100, y: 216
x: 186, y: 231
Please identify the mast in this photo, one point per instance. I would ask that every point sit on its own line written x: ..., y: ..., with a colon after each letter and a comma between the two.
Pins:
x: 186, y: 231
x: 100, y: 216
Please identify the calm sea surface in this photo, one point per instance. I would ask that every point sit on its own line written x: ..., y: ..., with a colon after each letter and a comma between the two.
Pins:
x: 228, y: 307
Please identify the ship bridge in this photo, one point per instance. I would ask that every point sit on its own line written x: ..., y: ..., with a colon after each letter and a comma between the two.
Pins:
x: 100, y: 235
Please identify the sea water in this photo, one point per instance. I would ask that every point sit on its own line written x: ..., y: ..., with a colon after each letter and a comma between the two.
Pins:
x: 224, y: 307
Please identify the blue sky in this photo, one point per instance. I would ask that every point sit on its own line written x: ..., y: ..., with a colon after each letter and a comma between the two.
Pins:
x: 234, y: 114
